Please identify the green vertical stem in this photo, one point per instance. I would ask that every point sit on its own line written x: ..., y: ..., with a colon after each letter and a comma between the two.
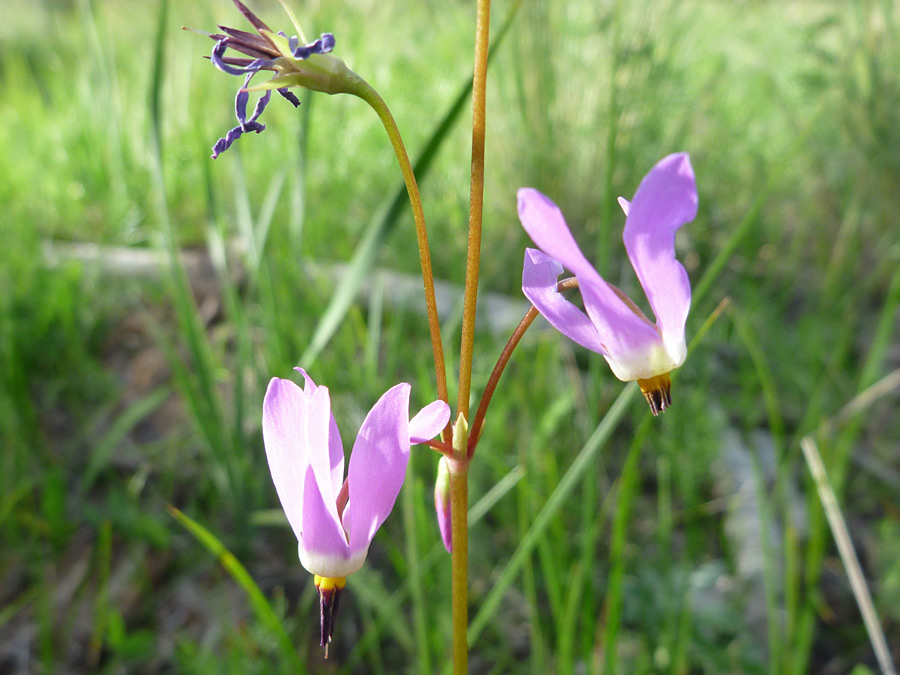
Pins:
x: 459, y: 518
x: 628, y: 482
x: 612, y: 132
x: 370, y: 96
x: 548, y: 511
x: 476, y: 202
x: 297, y: 215
x: 459, y: 464
x: 423, y: 657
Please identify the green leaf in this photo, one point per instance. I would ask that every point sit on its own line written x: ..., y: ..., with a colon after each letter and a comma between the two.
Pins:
x: 261, y: 607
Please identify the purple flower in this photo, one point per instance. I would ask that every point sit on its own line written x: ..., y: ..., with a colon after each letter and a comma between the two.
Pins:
x: 294, y: 64
x: 634, y: 347
x: 335, y: 519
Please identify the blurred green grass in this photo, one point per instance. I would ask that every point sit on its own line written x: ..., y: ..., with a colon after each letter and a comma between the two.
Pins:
x: 788, y: 111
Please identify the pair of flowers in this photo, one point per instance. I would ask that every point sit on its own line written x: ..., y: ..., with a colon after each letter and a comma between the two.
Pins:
x: 335, y: 520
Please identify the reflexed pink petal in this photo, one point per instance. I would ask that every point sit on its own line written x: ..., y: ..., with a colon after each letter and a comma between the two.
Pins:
x: 544, y: 223
x: 539, y: 279
x: 429, y: 422
x: 335, y: 445
x: 317, y: 436
x: 625, y: 204
x: 323, y: 546
x: 665, y: 200
x: 284, y: 433
x: 620, y: 330
x: 442, y: 502
x: 377, y: 466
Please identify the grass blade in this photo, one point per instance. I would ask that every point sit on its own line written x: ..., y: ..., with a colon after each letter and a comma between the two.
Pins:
x: 566, y: 484
x: 123, y: 424
x: 848, y: 554
x: 261, y: 607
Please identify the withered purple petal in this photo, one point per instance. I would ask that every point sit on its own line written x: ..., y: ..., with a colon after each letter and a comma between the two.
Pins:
x: 323, y: 45
x: 225, y: 142
x: 218, y: 52
x: 240, y: 61
x: 248, y: 43
x: 244, y: 125
x: 289, y: 95
x: 257, y: 111
x: 258, y: 23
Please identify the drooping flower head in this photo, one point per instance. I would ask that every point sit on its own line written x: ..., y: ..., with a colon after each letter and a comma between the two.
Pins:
x: 294, y: 63
x: 613, y: 325
x: 335, y: 519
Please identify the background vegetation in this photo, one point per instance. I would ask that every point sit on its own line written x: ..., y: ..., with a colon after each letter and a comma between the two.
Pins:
x: 148, y: 293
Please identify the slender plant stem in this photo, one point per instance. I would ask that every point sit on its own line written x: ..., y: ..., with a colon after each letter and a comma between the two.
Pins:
x: 848, y: 555
x: 505, y: 355
x: 459, y: 464
x: 628, y: 481
x: 459, y: 524
x: 370, y: 96
x: 476, y: 202
x: 494, y: 379
x: 612, y: 130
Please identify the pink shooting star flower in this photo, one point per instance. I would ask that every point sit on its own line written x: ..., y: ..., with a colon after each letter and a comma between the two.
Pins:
x: 614, y: 326
x: 335, y: 519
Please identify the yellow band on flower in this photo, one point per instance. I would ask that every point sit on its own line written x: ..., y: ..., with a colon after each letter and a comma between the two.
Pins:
x: 327, y: 583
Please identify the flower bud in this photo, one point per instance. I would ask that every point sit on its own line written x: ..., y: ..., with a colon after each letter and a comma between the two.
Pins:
x: 442, y: 501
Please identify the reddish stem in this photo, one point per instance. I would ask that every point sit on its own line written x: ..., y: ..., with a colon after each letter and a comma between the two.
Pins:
x: 439, y: 446
x: 505, y: 355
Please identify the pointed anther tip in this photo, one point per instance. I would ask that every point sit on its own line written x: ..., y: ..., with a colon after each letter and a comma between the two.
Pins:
x: 658, y: 392
x: 330, y: 589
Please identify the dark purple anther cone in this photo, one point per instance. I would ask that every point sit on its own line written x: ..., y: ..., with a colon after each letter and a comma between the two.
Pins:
x: 329, y: 600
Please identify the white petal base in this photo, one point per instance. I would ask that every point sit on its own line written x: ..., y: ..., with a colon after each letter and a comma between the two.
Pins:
x: 651, y: 361
x: 329, y: 565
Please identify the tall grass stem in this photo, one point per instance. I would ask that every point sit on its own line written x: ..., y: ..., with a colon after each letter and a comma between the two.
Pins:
x: 551, y: 507
x: 848, y: 555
